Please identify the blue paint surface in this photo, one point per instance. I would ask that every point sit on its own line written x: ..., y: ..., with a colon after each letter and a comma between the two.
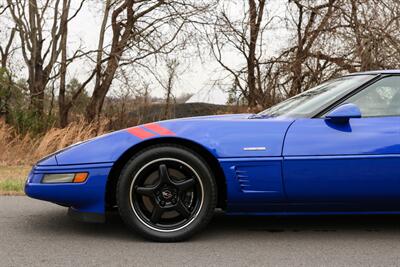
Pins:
x: 86, y: 197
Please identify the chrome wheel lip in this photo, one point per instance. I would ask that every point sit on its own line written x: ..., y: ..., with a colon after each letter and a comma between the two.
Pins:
x: 155, y: 228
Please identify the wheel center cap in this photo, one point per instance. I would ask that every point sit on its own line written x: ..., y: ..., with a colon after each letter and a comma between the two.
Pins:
x: 167, y: 194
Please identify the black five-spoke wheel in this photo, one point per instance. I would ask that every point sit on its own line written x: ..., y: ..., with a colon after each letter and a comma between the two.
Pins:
x: 174, y: 195
x: 166, y: 193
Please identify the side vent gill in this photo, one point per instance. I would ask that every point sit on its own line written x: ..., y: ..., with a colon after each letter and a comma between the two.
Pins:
x: 258, y: 177
x: 243, y: 179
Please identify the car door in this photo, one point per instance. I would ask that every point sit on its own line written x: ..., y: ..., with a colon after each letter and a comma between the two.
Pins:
x: 348, y: 163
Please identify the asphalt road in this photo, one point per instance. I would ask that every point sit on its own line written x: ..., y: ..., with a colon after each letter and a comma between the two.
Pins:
x: 34, y: 233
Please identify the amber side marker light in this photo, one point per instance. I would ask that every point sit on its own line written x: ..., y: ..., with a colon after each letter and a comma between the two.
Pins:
x: 80, y: 177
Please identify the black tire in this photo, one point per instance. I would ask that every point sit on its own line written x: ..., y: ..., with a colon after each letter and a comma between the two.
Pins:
x: 151, y: 200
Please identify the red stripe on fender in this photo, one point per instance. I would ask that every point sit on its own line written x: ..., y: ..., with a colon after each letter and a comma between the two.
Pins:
x: 158, y: 129
x: 140, y: 133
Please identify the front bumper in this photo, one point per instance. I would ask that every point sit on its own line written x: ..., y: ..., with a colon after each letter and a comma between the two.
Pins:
x: 87, y: 197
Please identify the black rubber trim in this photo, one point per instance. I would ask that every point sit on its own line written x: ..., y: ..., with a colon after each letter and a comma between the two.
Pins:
x: 89, y: 217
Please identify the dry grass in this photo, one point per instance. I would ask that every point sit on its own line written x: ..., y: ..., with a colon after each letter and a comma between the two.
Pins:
x: 26, y: 150
x: 12, y: 179
x: 20, y: 152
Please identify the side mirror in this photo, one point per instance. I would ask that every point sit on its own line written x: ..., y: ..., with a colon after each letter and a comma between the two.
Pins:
x: 344, y: 113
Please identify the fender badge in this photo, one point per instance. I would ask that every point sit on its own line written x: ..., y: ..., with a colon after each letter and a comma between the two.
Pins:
x: 260, y: 148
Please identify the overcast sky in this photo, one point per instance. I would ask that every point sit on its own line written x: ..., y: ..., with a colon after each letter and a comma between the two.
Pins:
x: 85, y: 30
x: 195, y: 75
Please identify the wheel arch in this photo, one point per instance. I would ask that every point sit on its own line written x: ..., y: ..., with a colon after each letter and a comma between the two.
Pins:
x: 210, y: 159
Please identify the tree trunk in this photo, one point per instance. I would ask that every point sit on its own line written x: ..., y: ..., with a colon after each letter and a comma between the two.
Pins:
x: 297, y: 77
x: 37, y: 87
x: 63, y: 107
x: 167, y: 104
x: 251, y: 77
x: 119, y: 42
x: 95, y: 105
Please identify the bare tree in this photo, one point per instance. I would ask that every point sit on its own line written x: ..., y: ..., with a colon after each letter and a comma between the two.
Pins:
x: 245, y: 35
x: 302, y: 63
x: 326, y: 38
x: 308, y: 28
x: 172, y: 66
x: 64, y: 103
x: 140, y: 29
x: 350, y: 35
x: 370, y: 33
x: 63, y: 106
x: 256, y: 13
x: 6, y: 50
x: 40, y: 26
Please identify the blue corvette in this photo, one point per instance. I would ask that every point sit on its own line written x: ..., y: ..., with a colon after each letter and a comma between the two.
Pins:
x: 334, y: 149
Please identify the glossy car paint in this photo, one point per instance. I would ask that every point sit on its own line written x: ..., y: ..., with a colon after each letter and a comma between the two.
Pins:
x: 270, y: 165
x: 85, y: 197
x: 217, y: 134
x: 343, y: 163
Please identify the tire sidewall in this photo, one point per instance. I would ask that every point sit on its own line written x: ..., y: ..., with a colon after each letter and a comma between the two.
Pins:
x: 172, y: 152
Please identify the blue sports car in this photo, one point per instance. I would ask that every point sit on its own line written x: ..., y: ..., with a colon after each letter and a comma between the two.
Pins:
x: 334, y: 149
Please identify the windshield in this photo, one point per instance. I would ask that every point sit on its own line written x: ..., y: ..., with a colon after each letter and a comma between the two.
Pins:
x: 314, y: 100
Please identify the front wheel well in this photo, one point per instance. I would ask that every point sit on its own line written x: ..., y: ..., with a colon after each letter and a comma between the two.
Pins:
x: 127, y: 155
